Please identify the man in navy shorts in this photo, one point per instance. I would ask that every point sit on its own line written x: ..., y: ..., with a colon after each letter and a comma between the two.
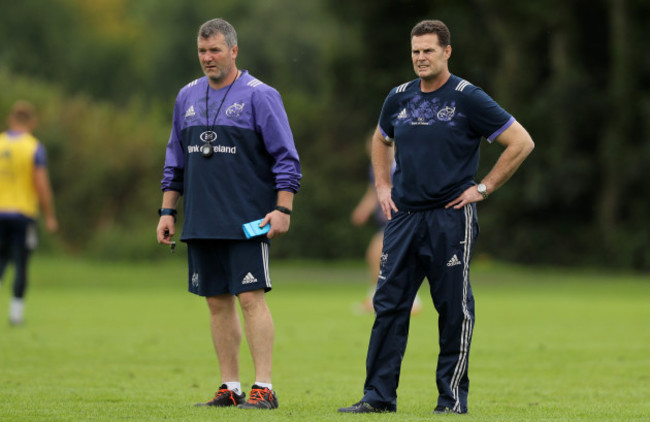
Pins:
x: 232, y: 156
x: 435, y: 123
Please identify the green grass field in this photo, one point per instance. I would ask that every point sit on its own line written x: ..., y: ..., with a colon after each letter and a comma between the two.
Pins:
x: 123, y: 341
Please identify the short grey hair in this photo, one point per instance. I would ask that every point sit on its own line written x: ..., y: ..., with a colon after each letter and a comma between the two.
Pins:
x: 219, y: 26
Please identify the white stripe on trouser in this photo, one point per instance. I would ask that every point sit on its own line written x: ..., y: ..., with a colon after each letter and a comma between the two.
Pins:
x: 466, y: 332
x: 265, y: 263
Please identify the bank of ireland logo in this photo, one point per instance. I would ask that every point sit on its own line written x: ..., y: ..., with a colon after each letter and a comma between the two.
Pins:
x: 208, y: 136
x: 235, y: 110
x: 446, y: 114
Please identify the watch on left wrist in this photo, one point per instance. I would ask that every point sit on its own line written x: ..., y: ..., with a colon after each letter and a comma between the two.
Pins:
x: 482, y: 189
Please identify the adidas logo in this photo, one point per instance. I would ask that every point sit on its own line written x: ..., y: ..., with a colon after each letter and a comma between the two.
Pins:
x: 402, y: 114
x: 454, y: 261
x: 190, y: 112
x: 248, y: 279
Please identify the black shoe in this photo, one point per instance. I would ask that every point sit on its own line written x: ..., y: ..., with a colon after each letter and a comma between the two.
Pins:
x: 225, y: 397
x: 364, y: 407
x: 260, y: 398
x: 440, y: 409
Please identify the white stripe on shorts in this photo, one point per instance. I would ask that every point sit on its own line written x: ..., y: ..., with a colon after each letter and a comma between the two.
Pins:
x: 265, y: 263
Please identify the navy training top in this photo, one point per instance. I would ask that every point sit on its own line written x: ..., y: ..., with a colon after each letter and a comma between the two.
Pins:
x: 254, y: 156
x: 437, y: 136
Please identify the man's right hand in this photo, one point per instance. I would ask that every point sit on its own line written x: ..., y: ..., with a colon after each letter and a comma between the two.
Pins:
x: 166, y: 229
x: 386, y: 201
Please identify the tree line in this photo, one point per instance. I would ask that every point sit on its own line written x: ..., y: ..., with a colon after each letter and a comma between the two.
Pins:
x: 104, y: 75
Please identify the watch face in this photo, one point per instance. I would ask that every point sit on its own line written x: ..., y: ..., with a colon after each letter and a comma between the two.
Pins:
x: 481, y: 188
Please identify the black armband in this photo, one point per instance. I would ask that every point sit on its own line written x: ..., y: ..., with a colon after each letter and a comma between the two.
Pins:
x: 167, y: 211
x: 284, y: 210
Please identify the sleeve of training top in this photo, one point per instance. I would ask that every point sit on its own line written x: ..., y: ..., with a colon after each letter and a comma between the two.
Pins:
x: 272, y: 123
x: 486, y: 116
x: 385, y: 118
x: 174, y: 156
x: 40, y: 156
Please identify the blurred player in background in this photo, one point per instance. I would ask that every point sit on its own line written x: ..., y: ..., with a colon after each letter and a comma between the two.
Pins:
x: 368, y: 207
x: 24, y: 189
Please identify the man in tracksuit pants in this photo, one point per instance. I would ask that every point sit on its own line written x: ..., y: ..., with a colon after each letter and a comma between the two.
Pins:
x: 435, y: 123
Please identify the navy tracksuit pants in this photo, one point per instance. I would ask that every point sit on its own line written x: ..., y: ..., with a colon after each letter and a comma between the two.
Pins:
x: 436, y: 244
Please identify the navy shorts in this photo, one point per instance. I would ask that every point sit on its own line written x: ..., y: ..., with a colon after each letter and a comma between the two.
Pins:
x: 224, y: 266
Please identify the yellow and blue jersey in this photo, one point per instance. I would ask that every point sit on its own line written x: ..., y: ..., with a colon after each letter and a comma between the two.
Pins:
x: 20, y: 154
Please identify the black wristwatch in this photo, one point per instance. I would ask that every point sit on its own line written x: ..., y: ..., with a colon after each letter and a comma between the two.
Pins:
x: 284, y: 210
x: 167, y: 211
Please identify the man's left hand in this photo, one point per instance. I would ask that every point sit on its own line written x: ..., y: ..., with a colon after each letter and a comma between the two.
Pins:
x: 470, y: 195
x: 279, y: 221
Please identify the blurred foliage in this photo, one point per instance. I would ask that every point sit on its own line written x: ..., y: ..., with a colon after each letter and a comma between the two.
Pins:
x: 104, y: 163
x: 104, y: 75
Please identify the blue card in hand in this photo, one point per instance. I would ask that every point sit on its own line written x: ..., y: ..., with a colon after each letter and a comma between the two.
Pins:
x: 253, y: 228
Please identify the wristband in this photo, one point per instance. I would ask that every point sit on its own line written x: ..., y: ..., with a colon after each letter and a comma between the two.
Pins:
x: 284, y: 210
x: 167, y: 211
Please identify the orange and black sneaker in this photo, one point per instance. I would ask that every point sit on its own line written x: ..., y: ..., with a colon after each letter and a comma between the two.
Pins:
x: 261, y: 398
x: 225, y: 397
